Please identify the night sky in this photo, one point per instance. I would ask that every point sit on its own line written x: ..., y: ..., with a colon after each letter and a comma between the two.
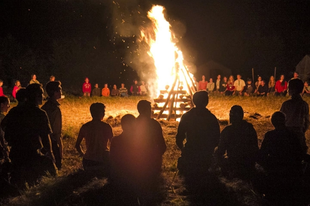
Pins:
x: 55, y: 36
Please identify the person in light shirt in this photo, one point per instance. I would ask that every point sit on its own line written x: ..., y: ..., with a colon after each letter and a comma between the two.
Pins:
x: 239, y: 85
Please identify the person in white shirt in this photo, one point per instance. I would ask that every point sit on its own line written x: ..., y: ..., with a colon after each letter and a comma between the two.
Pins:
x: 239, y: 85
x: 210, y: 86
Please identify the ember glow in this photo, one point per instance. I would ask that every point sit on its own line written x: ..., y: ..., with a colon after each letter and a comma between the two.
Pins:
x: 168, y: 58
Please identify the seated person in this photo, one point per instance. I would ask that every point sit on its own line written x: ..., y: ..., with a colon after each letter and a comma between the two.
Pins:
x: 239, y: 141
x: 262, y: 89
x: 97, y: 135
x: 96, y: 91
x: 201, y: 130
x: 249, y: 88
x: 105, y: 91
x: 114, y: 91
x: 123, y: 91
x: 121, y: 153
x: 143, y: 89
x: 306, y: 90
x: 135, y: 89
x: 210, y: 86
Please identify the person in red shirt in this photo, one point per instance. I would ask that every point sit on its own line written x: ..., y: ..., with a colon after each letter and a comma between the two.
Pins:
x: 281, y: 87
x: 1, y: 89
x: 202, y: 85
x: 230, y: 88
x: 16, y: 88
x: 105, y: 91
x: 86, y: 88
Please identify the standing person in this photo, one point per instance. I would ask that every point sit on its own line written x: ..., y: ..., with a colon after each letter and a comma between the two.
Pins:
x: 97, y: 135
x: 239, y: 85
x: 201, y: 130
x: 51, y: 107
x: 202, y: 85
x: 27, y: 132
x: 135, y: 89
x: 1, y: 89
x: 86, y: 88
x: 16, y: 87
x: 96, y: 91
x: 230, y: 88
x: 143, y: 88
x: 271, y: 85
x: 123, y: 90
x: 34, y: 79
x: 281, y: 87
x: 239, y: 141
x: 296, y: 112
x: 210, y: 86
x: 105, y: 92
x: 114, y: 91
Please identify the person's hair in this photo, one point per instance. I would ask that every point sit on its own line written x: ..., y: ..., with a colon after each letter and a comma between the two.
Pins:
x: 4, y: 100
x: 21, y: 95
x: 201, y: 99
x: 295, y: 86
x: 128, y: 121
x: 278, y: 119
x: 144, y: 106
x: 97, y: 110
x: 33, y: 91
x: 52, y: 87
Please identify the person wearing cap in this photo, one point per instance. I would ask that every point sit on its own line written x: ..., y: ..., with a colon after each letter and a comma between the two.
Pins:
x: 201, y: 130
x: 239, y: 141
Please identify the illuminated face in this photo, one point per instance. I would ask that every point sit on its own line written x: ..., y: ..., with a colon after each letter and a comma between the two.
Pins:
x: 203, y: 77
x: 96, y: 85
x: 34, y: 77
x: 295, y: 75
x: 225, y: 79
x: 122, y: 85
x: 259, y: 78
x: 211, y: 80
x: 17, y: 83
x: 105, y: 85
x: 114, y: 86
x: 86, y: 80
x: 238, y: 76
x: 1, y: 83
x: 282, y: 77
x: 218, y: 77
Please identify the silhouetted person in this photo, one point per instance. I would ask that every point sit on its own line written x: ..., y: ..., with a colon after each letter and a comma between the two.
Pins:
x: 201, y: 130
x: 97, y: 135
x: 281, y: 155
x: 149, y: 146
x: 121, y: 154
x: 27, y: 132
x: 51, y: 107
x: 296, y: 112
x: 239, y: 142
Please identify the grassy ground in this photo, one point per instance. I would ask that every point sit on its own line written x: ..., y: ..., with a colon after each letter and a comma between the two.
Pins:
x: 75, y: 187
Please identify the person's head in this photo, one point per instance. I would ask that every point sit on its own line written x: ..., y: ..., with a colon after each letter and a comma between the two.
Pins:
x: 278, y: 119
x: 201, y: 99
x: 135, y: 82
x: 122, y: 85
x: 128, y: 122
x: 249, y: 81
x: 296, y: 75
x: 306, y: 84
x: 295, y: 87
x: 21, y: 95
x: 282, y: 77
x: 262, y: 83
x: 97, y: 111
x: 114, y: 86
x: 238, y: 76
x: 34, y: 94
x: 1, y: 83
x: 4, y: 104
x: 211, y: 80
x: 225, y: 79
x: 54, y: 90
x: 259, y: 78
x: 236, y: 114
x: 231, y: 78
x: 105, y: 85
x: 33, y: 76
x: 203, y: 77
x: 142, y: 83
x: 271, y: 78
x: 52, y: 78
x: 218, y: 77
x: 17, y: 83
x: 144, y: 108
x: 86, y: 80
x: 96, y: 85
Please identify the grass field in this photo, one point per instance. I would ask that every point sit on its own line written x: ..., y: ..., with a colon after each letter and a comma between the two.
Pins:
x: 74, y: 187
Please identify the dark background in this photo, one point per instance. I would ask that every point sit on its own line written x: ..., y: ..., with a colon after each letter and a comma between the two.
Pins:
x: 74, y: 39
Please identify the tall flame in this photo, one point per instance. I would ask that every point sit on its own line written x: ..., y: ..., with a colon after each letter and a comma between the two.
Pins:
x: 168, y: 58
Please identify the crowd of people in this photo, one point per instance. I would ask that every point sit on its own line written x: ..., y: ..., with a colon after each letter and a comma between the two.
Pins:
x: 31, y: 143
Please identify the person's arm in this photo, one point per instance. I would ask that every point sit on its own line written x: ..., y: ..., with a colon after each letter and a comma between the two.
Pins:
x: 78, y: 143
x: 181, y: 133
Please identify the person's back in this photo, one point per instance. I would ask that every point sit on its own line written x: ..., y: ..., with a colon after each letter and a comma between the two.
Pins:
x: 201, y: 130
x: 97, y: 134
x: 239, y: 141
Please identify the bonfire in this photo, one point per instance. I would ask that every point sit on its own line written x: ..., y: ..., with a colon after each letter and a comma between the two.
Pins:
x: 174, y: 85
